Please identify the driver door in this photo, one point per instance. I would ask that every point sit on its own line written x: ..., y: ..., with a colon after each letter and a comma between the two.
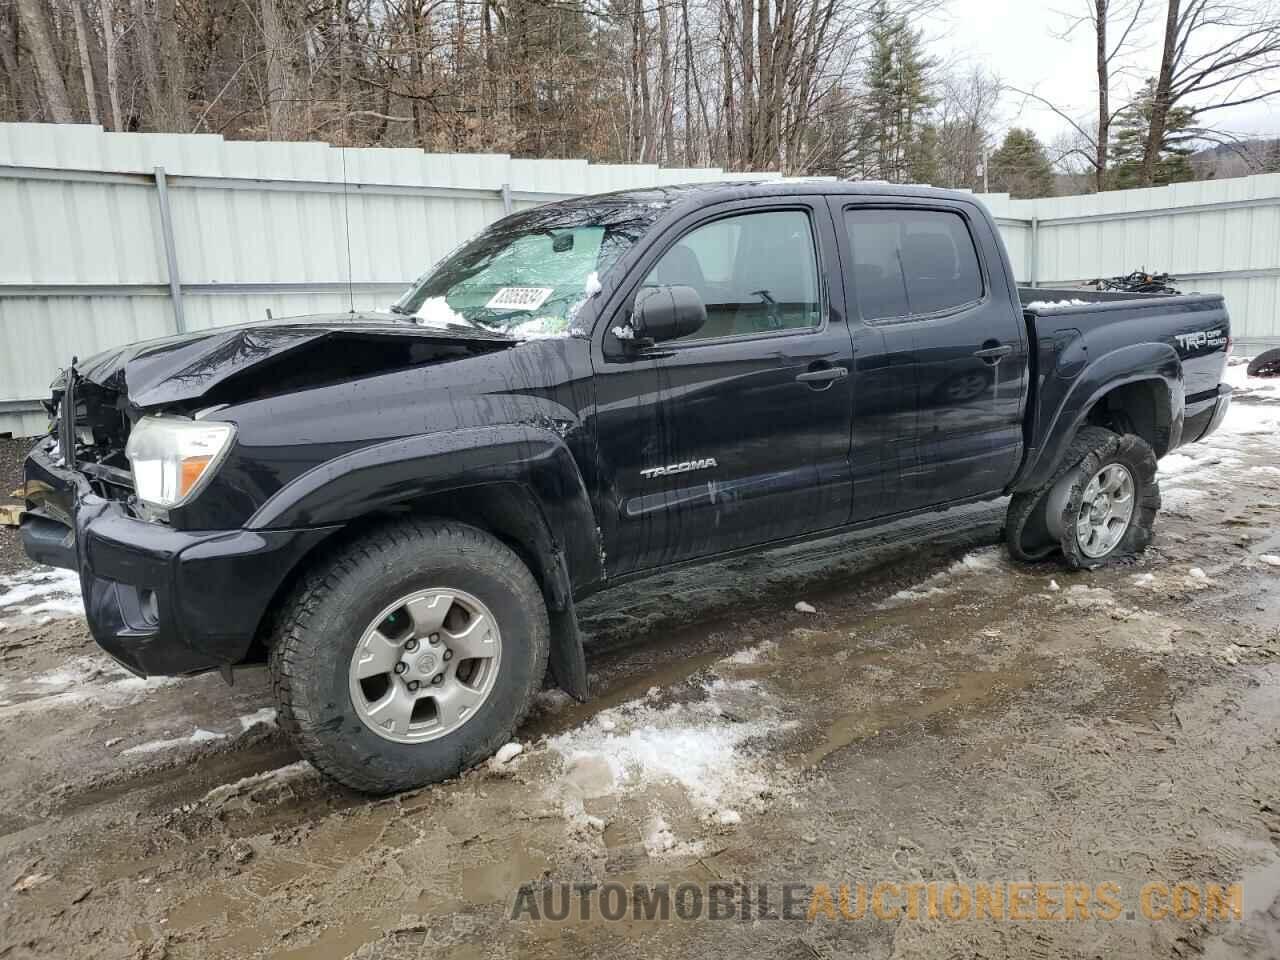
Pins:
x: 738, y: 433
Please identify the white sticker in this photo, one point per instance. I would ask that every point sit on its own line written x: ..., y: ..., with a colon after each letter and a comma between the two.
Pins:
x: 519, y: 298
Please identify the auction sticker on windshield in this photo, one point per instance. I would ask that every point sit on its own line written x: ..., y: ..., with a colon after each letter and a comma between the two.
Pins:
x: 519, y: 298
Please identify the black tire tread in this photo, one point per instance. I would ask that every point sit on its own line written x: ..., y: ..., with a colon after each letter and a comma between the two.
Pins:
x: 288, y: 659
x: 1138, y: 455
x: 1022, y: 506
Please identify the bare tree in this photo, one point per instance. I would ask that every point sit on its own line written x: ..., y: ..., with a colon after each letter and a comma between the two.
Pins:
x: 1216, y: 54
x: 33, y: 15
x: 109, y: 43
x: 86, y: 64
x: 1113, y: 23
x: 966, y: 115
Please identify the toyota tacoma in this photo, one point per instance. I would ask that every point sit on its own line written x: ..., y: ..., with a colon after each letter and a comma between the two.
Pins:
x: 397, y: 511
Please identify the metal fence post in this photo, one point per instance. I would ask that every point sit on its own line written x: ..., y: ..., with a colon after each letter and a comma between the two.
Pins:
x: 170, y: 250
x: 1034, y: 258
x: 506, y: 199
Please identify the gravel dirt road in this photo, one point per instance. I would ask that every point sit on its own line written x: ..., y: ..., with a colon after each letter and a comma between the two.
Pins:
x: 943, y: 715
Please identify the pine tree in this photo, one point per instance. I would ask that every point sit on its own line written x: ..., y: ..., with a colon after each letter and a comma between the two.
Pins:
x: 1130, y: 137
x: 1020, y: 167
x: 898, y: 84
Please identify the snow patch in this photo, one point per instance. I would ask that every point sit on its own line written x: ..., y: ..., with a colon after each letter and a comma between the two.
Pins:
x: 624, y: 332
x: 751, y: 654
x: 155, y: 746
x: 1055, y: 304
x: 1173, y: 464
x: 507, y: 752
x: 279, y: 775
x: 690, y: 743
x: 803, y: 607
x: 979, y: 561
x: 57, y: 592
x: 266, y: 715
x: 1270, y: 559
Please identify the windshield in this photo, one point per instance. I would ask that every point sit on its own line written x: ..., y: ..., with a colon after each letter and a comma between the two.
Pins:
x: 528, y: 275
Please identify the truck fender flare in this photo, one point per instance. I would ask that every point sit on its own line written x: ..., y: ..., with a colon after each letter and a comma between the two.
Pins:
x: 1130, y: 364
x: 535, y: 460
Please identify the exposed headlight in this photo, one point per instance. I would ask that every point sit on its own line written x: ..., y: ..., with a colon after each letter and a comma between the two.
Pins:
x: 173, y: 457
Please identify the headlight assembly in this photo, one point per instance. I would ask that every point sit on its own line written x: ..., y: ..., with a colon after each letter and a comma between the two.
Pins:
x: 173, y: 458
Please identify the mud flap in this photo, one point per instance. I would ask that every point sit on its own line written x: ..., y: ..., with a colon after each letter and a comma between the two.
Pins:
x: 567, y: 661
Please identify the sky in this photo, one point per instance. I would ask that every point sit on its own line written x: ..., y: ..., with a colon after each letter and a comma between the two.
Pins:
x: 1016, y: 40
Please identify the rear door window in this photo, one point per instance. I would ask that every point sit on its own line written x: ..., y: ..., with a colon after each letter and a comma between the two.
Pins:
x: 911, y: 262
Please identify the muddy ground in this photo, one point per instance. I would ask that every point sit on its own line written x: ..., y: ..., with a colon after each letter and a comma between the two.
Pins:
x: 944, y: 714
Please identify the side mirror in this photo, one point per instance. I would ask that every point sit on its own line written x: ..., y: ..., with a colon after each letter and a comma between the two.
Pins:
x: 666, y: 313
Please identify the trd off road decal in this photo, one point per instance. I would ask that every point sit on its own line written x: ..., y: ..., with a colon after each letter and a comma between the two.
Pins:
x: 1201, y: 339
x: 687, y: 466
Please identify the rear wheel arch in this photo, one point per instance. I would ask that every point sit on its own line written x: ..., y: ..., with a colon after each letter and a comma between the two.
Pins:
x: 1140, y: 407
x: 1145, y: 378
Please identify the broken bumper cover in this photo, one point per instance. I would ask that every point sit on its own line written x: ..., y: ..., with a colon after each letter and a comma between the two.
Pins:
x: 160, y: 601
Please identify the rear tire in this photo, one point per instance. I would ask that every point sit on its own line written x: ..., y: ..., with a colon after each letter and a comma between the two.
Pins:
x: 453, y: 638
x: 1093, y: 524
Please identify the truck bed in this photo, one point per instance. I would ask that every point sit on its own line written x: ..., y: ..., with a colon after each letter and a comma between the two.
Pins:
x: 1196, y: 326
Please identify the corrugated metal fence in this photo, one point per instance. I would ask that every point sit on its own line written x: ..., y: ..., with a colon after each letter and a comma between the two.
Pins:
x: 106, y: 238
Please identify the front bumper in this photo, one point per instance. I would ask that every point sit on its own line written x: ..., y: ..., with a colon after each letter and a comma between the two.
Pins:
x: 160, y: 601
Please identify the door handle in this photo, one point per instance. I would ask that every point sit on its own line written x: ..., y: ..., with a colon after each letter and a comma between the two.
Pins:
x: 993, y: 354
x: 825, y: 375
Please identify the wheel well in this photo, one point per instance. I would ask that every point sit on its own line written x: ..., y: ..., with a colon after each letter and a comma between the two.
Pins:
x: 1141, y: 407
x: 506, y: 511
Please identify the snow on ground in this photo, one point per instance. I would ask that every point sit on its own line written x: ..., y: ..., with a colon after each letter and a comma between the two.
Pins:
x: 43, y: 590
x: 978, y: 561
x: 267, y: 715
x: 1255, y: 388
x: 93, y: 679
x: 155, y: 746
x: 256, y: 781
x: 693, y: 744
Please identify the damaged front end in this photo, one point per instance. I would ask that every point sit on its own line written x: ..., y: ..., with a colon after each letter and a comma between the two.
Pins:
x: 144, y: 482
x: 83, y: 455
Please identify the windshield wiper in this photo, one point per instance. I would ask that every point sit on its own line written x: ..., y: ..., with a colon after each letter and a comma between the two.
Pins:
x: 402, y: 311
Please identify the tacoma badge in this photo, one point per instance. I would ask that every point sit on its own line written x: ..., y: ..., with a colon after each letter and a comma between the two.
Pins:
x: 688, y: 466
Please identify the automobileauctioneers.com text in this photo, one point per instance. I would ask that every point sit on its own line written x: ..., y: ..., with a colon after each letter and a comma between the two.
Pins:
x: 1015, y: 900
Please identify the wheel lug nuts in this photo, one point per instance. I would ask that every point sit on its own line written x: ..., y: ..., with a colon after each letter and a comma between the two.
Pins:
x: 401, y: 667
x: 433, y: 639
x: 438, y: 678
x: 413, y: 685
x: 448, y: 655
x: 412, y: 645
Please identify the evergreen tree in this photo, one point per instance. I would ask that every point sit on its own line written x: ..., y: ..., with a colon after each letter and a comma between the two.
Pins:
x: 898, y: 84
x: 924, y: 156
x: 1130, y: 137
x: 1020, y: 167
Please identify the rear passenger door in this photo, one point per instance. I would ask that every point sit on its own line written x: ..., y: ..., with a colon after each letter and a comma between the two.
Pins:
x: 946, y: 392
x: 737, y: 434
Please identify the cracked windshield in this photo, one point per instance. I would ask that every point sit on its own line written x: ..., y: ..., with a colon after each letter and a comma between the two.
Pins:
x: 528, y: 275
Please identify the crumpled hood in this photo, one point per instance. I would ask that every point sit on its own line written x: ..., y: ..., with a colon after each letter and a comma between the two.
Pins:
x: 187, y: 366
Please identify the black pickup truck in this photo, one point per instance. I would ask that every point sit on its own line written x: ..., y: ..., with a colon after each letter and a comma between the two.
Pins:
x: 399, y: 510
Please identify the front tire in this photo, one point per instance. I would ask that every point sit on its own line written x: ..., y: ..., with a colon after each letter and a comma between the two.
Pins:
x: 409, y: 656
